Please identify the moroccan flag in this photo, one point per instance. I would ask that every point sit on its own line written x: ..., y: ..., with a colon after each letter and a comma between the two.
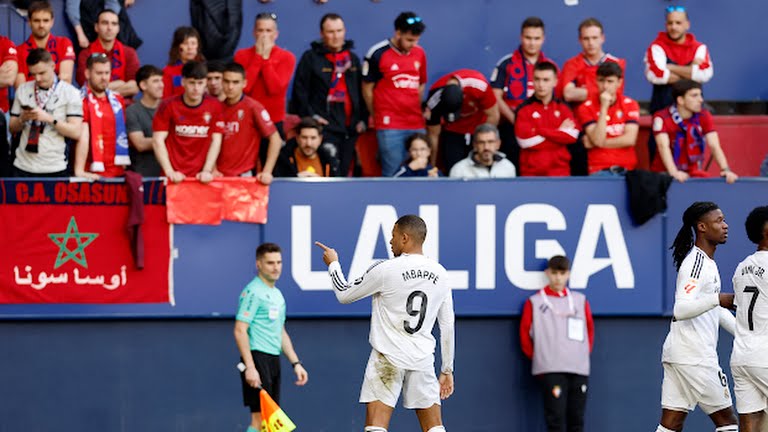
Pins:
x: 226, y: 198
x: 69, y: 242
x: 273, y: 418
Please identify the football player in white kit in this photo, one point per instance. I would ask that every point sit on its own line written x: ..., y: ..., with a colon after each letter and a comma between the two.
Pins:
x: 749, y: 359
x: 409, y: 294
x: 692, y: 374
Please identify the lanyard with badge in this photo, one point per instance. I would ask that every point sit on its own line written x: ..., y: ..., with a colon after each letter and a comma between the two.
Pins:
x: 575, y: 324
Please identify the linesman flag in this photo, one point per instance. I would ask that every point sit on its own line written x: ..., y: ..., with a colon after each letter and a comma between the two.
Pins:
x: 273, y: 418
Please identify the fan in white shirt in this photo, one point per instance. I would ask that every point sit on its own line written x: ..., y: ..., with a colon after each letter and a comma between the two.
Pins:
x: 749, y: 359
x: 409, y: 293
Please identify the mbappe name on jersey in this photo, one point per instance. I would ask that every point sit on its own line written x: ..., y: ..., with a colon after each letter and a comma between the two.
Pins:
x: 420, y: 274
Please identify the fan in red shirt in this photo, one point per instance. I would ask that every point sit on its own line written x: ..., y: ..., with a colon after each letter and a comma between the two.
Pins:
x: 544, y: 126
x: 185, y: 47
x: 675, y: 54
x: 102, y: 150
x: 244, y: 123
x: 609, y: 120
x: 512, y: 82
x: 125, y: 61
x: 394, y: 77
x: 186, y: 138
x: 682, y: 132
x: 465, y: 100
x: 9, y: 64
x: 268, y: 68
x: 578, y: 81
x: 40, y: 15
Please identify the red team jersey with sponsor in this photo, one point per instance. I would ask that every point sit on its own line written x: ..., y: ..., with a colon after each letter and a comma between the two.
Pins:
x: 687, y: 151
x: 108, y: 137
x: 244, y: 125
x: 189, y: 131
x: 478, y: 97
x: 60, y: 48
x: 624, y: 111
x: 7, y: 53
x: 543, y: 150
x: 582, y: 73
x: 514, y: 76
x: 398, y: 76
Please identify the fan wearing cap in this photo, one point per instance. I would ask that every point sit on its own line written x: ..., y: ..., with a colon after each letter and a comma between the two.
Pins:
x: 462, y: 100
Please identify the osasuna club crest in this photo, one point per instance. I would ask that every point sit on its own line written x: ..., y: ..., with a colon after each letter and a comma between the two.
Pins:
x: 207, y: 117
x: 240, y: 114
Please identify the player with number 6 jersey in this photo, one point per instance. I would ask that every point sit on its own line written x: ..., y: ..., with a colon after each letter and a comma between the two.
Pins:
x: 692, y: 374
x: 749, y: 359
x: 410, y: 292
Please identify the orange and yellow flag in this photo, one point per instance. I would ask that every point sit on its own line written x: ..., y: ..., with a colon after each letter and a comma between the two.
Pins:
x: 273, y: 418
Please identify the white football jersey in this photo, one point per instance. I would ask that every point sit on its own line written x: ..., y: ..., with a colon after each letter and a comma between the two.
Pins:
x: 693, y: 341
x: 750, y: 286
x: 410, y: 293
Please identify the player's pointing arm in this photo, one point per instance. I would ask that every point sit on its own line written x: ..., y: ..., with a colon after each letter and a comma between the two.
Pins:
x: 366, y: 285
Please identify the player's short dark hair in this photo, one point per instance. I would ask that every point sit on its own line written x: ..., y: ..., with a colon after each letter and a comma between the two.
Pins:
x: 680, y: 88
x: 412, y: 138
x: 146, y: 72
x: 559, y: 263
x: 38, y: 55
x: 755, y: 224
x: 234, y: 67
x: 410, y: 22
x: 590, y: 22
x: 194, y: 70
x: 40, y: 6
x: 97, y: 58
x: 215, y: 66
x: 106, y: 10
x: 269, y: 16
x: 545, y: 66
x: 308, y: 123
x: 413, y: 226
x: 610, y: 69
x: 266, y: 248
x: 329, y: 17
x: 532, y: 22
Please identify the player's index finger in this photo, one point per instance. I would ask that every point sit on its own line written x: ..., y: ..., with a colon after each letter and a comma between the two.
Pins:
x: 324, y: 247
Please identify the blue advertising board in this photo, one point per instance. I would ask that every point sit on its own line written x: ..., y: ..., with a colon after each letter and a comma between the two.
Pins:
x: 493, y: 236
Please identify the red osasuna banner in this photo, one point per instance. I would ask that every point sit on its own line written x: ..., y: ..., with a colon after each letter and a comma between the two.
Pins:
x: 239, y: 199
x: 69, y: 242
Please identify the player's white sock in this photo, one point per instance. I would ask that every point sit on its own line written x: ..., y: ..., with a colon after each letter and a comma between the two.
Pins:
x: 440, y: 428
x: 729, y: 428
x: 661, y: 428
x: 374, y: 429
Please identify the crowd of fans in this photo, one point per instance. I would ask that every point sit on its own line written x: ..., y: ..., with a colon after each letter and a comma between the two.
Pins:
x: 201, y: 119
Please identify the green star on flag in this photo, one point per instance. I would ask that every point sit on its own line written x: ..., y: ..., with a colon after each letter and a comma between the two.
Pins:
x: 78, y: 254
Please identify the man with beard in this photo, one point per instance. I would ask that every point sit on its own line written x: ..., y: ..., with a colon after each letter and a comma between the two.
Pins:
x: 484, y: 161
x: 103, y: 142
x: 60, y: 47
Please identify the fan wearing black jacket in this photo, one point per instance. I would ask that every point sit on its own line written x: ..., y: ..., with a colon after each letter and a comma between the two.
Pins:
x: 307, y: 155
x: 327, y: 87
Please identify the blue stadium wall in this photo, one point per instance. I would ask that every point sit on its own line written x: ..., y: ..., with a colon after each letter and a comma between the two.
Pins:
x: 88, y: 368
x: 476, y: 33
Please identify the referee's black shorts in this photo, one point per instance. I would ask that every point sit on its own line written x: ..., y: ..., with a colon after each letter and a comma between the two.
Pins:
x: 268, y: 366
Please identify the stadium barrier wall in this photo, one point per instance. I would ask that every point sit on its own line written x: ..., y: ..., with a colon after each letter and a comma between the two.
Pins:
x: 178, y: 374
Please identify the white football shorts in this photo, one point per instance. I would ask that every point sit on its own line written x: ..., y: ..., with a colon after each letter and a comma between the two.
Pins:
x: 384, y: 382
x: 685, y: 386
x: 750, y: 385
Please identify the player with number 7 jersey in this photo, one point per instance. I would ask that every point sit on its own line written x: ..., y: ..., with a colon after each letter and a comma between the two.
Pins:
x: 749, y: 359
x: 409, y: 294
